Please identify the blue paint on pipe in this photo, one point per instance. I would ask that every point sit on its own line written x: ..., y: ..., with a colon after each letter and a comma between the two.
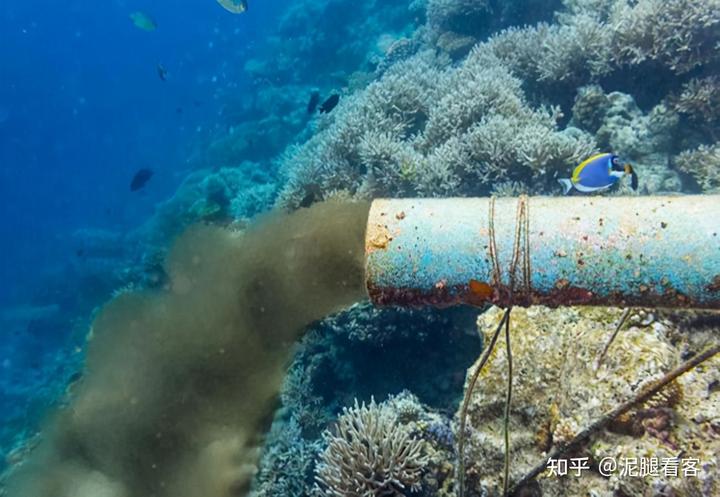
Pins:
x: 641, y: 251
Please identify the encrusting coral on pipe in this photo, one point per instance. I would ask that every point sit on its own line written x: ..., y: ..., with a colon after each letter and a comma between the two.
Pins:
x: 180, y: 384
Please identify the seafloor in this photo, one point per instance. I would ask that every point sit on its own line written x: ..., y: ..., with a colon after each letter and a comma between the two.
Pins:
x: 438, y: 98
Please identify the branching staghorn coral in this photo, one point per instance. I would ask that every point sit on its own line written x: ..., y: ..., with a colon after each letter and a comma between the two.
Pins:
x: 703, y: 164
x: 680, y: 34
x: 422, y: 130
x: 480, y: 86
x: 455, y: 26
x: 393, y: 108
x: 700, y: 100
x: 551, y: 53
x: 372, y: 455
x: 596, y: 37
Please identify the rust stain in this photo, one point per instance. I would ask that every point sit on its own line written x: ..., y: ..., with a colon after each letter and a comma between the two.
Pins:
x: 412, y: 297
x: 479, y: 293
x: 564, y: 294
x: 572, y: 295
x: 480, y: 289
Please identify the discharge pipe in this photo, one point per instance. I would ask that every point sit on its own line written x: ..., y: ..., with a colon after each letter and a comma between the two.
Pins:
x: 624, y: 251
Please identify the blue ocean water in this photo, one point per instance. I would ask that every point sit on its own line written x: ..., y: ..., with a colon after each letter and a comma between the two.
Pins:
x: 82, y: 108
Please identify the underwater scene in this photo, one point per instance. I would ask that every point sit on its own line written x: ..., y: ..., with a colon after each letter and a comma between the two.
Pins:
x: 341, y: 248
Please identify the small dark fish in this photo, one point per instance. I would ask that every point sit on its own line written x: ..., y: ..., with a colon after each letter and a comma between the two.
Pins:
x: 76, y: 376
x: 140, y: 179
x: 307, y: 200
x: 314, y: 101
x: 329, y: 104
x: 162, y: 72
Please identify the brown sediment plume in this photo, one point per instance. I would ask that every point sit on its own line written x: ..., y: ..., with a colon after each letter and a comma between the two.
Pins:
x: 180, y: 383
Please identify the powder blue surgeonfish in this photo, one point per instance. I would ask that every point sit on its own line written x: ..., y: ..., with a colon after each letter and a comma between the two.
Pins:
x: 598, y: 173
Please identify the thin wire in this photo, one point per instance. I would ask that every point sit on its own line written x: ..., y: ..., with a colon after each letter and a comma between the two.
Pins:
x: 516, y: 243
x: 508, y: 399
x: 521, y: 248
x: 620, y: 324
x: 466, y: 402
x: 497, y: 275
x: 526, y: 252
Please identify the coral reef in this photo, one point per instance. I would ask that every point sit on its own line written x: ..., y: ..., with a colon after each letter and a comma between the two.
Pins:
x: 557, y: 391
x: 703, y: 164
x: 593, y: 38
x: 423, y: 427
x: 645, y: 140
x: 679, y: 34
x: 371, y: 454
x: 455, y: 26
x: 700, y: 100
x: 428, y: 128
x: 425, y: 130
x: 221, y: 195
x: 287, y: 464
x: 364, y: 352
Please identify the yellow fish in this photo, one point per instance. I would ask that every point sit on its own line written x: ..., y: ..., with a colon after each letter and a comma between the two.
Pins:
x: 234, y: 6
x: 143, y: 21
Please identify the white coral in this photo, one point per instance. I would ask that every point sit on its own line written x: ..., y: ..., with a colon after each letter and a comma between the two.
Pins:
x: 703, y: 164
x: 371, y: 455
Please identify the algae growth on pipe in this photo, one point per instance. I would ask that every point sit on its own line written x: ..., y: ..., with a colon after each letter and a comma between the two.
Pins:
x: 627, y: 251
